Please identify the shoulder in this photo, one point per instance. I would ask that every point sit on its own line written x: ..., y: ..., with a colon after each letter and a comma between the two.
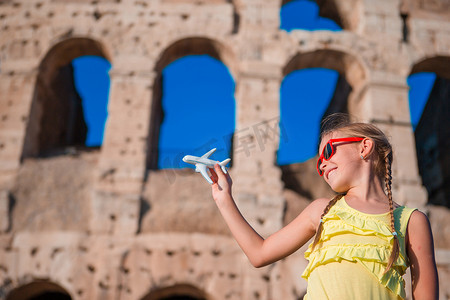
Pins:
x: 319, y: 204
x: 418, y: 220
x: 420, y: 250
x: 316, y: 208
x: 419, y: 229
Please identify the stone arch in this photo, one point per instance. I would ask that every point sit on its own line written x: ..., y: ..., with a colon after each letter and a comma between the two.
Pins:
x: 433, y: 132
x: 179, y: 49
x: 345, y: 13
x: 352, y: 74
x: 300, y: 179
x: 438, y: 64
x: 54, y: 124
x: 177, y: 292
x: 193, y: 46
x: 39, y: 290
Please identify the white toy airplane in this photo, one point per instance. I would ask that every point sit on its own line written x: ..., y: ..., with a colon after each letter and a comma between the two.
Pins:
x: 201, y: 163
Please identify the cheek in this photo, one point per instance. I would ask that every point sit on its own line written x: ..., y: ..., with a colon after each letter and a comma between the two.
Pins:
x: 348, y: 155
x: 350, y: 166
x: 347, y: 168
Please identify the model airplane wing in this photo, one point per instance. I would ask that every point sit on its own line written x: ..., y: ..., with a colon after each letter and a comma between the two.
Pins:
x: 208, y: 154
x: 201, y: 168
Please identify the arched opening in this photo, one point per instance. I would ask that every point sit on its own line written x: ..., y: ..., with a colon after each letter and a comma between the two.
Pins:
x: 198, y: 106
x: 429, y: 100
x: 39, y: 290
x: 177, y: 292
x: 319, y: 14
x: 189, y: 102
x: 304, y: 14
x: 305, y: 95
x: 57, y: 118
x: 316, y: 84
x: 344, y: 63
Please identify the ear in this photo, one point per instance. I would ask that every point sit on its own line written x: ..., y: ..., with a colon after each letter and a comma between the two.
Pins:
x: 367, y: 146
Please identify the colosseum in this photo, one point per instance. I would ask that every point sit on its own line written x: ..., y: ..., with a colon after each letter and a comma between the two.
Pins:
x: 105, y: 223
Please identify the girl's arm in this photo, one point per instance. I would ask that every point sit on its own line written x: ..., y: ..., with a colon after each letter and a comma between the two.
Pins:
x: 420, y: 249
x: 259, y: 251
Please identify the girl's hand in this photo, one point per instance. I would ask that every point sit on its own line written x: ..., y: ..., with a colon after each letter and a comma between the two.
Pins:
x: 262, y: 252
x: 221, y: 187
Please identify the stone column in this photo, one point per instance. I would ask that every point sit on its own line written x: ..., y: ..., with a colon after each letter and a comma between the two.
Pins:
x: 121, y: 167
x: 17, y: 94
x: 257, y: 180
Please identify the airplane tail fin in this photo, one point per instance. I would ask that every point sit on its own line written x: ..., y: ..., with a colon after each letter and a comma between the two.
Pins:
x: 223, y: 164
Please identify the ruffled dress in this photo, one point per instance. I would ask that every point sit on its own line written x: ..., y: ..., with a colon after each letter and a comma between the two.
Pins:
x: 352, y: 254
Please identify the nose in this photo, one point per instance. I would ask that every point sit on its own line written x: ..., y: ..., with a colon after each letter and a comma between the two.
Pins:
x: 323, y: 164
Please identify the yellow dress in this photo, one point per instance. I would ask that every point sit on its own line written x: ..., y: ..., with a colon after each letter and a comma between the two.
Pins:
x: 352, y: 254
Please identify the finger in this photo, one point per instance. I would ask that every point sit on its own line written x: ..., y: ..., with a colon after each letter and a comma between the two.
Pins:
x: 216, y: 187
x: 218, y: 170
x: 214, y: 177
x: 221, y: 174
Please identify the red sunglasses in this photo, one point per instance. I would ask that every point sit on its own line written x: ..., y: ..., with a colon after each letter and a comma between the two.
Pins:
x: 328, y: 150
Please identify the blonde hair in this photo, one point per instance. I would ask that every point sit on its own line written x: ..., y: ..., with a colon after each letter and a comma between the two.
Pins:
x: 382, y: 165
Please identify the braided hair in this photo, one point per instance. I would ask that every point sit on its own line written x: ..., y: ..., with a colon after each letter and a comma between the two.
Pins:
x: 382, y: 166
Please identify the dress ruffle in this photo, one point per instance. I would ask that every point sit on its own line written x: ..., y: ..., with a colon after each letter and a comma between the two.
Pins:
x: 374, y: 257
x: 359, y: 224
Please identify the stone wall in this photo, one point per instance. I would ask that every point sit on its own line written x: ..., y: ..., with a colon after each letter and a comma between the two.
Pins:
x: 104, y: 224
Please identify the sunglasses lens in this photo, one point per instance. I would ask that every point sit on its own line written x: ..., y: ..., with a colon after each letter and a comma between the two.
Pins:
x: 319, y: 162
x: 328, y: 151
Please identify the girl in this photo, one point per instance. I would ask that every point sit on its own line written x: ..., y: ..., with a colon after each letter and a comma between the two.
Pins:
x: 364, y: 241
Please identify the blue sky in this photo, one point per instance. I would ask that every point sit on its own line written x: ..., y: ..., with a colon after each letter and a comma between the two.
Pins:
x: 92, y: 83
x: 420, y: 85
x: 304, y: 14
x: 304, y: 97
x: 204, y: 87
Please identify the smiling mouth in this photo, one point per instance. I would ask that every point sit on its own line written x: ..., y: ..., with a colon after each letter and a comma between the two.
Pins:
x: 329, y: 171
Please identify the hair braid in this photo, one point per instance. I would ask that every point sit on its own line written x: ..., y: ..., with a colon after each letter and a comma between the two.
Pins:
x: 388, y: 181
x: 325, y: 211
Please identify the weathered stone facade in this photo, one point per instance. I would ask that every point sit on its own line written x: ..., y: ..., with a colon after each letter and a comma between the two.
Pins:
x: 104, y: 224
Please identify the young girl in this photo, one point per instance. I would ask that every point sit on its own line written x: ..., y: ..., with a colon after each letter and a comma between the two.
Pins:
x: 364, y: 242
